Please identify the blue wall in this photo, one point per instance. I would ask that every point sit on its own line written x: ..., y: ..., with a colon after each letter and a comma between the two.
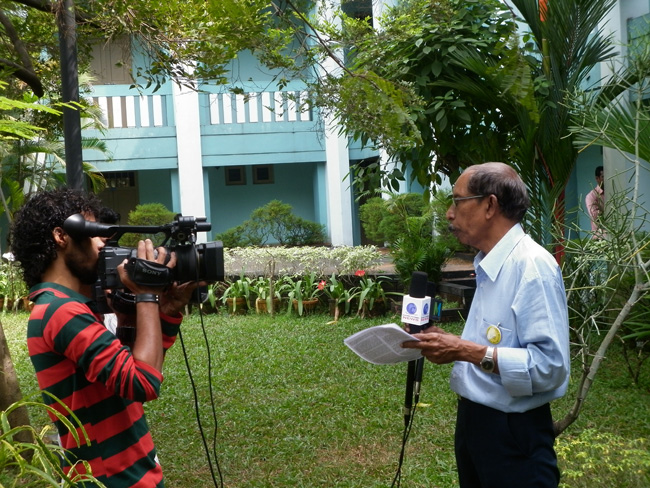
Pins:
x: 231, y: 205
x: 155, y: 187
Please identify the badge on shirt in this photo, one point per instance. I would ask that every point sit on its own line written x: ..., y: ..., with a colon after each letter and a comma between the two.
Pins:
x: 493, y: 334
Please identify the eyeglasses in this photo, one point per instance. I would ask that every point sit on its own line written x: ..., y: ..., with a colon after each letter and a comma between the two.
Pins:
x: 455, y: 200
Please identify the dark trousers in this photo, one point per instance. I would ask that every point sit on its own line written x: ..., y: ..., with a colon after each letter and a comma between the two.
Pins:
x: 505, y: 450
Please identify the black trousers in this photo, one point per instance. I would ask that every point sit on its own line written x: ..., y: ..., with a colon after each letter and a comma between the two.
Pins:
x: 505, y: 450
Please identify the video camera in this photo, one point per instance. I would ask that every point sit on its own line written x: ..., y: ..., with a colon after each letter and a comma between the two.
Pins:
x: 194, y: 262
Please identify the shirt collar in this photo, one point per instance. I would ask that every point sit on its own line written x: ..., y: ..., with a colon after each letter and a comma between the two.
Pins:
x: 58, y: 290
x: 492, y: 262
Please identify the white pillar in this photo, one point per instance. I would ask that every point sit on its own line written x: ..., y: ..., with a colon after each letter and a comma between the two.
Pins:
x: 337, y: 166
x: 339, y: 195
x: 613, y: 162
x: 190, y: 157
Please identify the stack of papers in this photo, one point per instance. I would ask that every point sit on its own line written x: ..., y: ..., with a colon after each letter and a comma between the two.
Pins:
x: 382, y: 345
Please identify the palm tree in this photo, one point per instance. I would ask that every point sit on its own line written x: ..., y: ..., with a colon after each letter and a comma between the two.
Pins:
x: 35, y: 160
x: 621, y: 123
x: 30, y: 166
x: 534, y: 95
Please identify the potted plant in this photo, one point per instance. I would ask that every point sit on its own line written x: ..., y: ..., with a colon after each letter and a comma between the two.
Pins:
x: 340, y: 296
x: 22, y: 294
x: 237, y: 294
x: 268, y: 294
x: 372, y: 296
x: 303, y: 292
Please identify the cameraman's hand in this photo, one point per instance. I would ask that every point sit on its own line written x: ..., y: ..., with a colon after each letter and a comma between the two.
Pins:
x: 146, y: 252
x: 148, y: 345
x: 177, y: 296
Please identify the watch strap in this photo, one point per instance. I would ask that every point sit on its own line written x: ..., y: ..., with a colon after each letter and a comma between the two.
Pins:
x: 488, y: 363
x: 147, y: 298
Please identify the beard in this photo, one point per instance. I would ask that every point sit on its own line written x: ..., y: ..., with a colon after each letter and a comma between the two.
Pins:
x: 82, y: 265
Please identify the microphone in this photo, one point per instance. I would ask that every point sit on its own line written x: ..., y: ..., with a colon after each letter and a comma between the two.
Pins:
x: 416, y: 305
x: 415, y: 312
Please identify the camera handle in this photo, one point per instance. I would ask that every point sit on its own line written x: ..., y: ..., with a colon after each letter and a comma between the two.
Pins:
x: 148, y: 273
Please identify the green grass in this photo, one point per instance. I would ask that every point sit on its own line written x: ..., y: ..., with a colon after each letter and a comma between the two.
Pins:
x: 295, y: 408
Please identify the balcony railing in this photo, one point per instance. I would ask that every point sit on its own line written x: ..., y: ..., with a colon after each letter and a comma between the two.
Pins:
x: 133, y: 111
x: 222, y: 108
x: 250, y: 108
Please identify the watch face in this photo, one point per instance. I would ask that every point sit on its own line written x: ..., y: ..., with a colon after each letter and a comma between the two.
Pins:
x: 487, y: 365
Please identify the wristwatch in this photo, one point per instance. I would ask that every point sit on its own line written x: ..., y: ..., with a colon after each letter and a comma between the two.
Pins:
x: 487, y: 363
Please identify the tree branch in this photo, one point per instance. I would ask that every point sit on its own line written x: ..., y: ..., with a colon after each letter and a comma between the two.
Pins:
x: 24, y: 72
x: 53, y: 8
x: 25, y: 75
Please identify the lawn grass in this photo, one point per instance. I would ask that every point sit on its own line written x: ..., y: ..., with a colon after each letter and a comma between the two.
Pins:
x: 295, y: 408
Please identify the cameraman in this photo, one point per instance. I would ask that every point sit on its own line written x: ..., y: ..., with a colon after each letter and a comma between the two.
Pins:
x: 76, y: 358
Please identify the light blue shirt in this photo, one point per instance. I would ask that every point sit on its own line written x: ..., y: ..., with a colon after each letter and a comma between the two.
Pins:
x: 519, y: 291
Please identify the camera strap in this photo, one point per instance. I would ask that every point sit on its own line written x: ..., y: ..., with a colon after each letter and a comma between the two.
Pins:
x: 123, y: 302
x: 149, y: 273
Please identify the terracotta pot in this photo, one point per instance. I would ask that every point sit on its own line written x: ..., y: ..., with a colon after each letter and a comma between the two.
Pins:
x: 308, y: 306
x: 241, y: 307
x: 261, y: 305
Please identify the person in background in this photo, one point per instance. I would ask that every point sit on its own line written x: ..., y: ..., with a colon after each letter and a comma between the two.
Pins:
x: 512, y: 358
x: 79, y: 361
x: 595, y: 204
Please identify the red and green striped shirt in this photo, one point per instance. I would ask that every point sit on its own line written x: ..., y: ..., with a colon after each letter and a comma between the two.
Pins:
x: 83, y: 364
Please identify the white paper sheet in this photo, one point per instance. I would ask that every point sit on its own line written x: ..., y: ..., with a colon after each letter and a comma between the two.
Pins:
x: 381, y: 344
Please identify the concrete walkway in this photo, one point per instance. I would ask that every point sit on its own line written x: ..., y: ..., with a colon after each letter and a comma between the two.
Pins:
x: 460, y: 265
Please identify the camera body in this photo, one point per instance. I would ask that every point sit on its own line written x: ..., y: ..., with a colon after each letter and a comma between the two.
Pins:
x: 194, y: 262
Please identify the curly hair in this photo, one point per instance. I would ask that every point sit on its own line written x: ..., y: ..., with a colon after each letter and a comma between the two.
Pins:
x: 31, y: 237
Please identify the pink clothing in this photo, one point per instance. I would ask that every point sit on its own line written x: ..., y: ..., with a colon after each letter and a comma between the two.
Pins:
x: 595, y: 203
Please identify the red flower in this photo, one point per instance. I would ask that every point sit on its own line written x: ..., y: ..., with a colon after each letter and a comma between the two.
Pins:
x: 359, y: 272
x: 321, y: 284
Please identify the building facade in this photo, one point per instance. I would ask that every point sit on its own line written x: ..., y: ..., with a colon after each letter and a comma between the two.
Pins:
x: 221, y: 155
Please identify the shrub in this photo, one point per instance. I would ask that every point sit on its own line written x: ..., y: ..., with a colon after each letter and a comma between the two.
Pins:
x: 38, y: 463
x: 384, y: 220
x: 372, y: 214
x: 276, y: 221
x: 593, y: 458
x: 147, y: 214
x: 233, y: 237
x: 415, y: 230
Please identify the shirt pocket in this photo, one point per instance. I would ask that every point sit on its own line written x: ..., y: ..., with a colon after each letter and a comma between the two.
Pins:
x: 496, y: 333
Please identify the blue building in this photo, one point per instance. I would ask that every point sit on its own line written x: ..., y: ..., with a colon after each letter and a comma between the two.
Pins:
x: 221, y: 155
x: 216, y: 154
x: 629, y: 24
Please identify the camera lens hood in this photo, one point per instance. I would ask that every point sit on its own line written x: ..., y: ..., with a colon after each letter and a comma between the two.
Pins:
x: 78, y: 227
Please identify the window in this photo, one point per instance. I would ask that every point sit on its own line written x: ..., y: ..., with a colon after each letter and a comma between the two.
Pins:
x: 262, y: 174
x: 120, y: 179
x: 235, y: 175
x: 111, y: 63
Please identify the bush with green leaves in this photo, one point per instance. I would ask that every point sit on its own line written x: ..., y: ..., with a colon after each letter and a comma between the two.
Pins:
x: 595, y: 458
x: 416, y: 232
x: 273, y: 222
x: 383, y: 220
x: 150, y: 214
x: 38, y: 463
